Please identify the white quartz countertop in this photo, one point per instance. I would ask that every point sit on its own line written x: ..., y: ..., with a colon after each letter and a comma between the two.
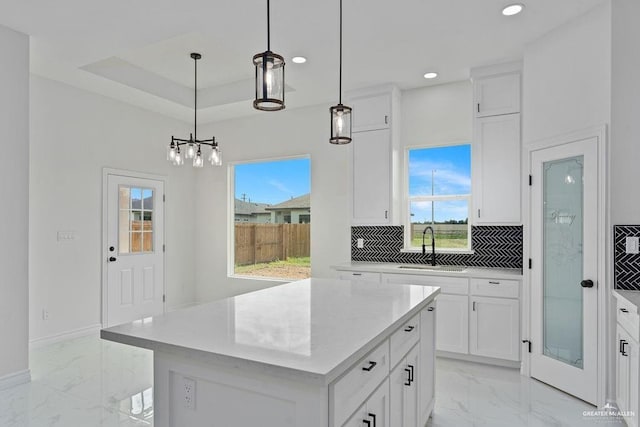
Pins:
x: 387, y: 267
x: 312, y: 329
x: 632, y: 296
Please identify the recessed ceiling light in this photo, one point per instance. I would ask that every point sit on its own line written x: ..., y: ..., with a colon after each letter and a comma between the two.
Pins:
x: 430, y: 75
x: 512, y: 9
x: 299, y: 59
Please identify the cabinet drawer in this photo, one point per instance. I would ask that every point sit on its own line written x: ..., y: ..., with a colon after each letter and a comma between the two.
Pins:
x: 448, y: 285
x: 350, y: 391
x: 495, y: 288
x: 359, y: 275
x: 403, y: 339
x: 628, y: 318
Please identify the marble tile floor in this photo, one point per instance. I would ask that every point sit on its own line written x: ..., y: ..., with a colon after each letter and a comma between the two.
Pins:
x: 89, y: 382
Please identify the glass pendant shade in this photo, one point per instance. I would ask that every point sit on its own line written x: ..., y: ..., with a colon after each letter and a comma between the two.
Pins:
x: 197, y: 160
x: 215, y: 158
x: 191, y: 151
x: 269, y: 81
x: 171, y: 153
x: 340, y: 124
x: 178, y: 159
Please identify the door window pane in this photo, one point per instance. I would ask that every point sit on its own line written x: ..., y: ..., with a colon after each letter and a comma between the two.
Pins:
x: 134, y: 219
x: 563, y: 268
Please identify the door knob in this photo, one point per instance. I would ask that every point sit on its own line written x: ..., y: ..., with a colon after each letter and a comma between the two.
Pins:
x: 112, y: 259
x: 111, y: 249
x: 587, y: 283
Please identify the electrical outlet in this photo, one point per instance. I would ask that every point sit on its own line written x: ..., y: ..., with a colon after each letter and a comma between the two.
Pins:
x: 632, y: 246
x: 45, y: 314
x: 189, y: 393
x: 360, y: 243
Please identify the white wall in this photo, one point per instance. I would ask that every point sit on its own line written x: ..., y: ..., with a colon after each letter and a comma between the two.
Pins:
x: 567, y: 77
x: 437, y: 115
x: 74, y: 135
x: 272, y: 135
x: 567, y: 88
x: 14, y: 196
x: 625, y: 113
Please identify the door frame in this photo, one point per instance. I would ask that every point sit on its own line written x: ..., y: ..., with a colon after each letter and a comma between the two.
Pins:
x: 604, y: 248
x: 105, y: 238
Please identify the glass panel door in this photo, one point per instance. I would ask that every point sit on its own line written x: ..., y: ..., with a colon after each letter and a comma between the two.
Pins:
x: 563, y: 199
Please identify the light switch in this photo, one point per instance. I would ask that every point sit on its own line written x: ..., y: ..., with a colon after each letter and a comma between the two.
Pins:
x: 632, y: 245
x: 360, y: 243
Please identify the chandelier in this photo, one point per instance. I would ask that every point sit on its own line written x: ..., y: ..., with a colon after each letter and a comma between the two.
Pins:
x: 193, y: 146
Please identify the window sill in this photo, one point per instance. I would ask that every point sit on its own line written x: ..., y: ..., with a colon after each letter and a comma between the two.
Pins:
x: 438, y: 251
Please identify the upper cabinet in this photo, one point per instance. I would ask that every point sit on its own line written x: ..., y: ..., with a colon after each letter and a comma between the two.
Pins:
x: 374, y: 142
x: 497, y: 172
x: 371, y: 112
x: 497, y: 95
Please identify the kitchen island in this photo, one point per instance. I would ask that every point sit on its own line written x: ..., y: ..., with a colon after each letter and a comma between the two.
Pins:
x: 316, y: 352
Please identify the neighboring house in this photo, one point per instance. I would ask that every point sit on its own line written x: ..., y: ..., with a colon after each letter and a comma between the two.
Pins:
x: 294, y: 211
x: 251, y: 212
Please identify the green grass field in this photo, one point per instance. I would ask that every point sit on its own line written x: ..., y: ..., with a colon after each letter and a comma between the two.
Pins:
x: 449, y: 240
x: 292, y: 266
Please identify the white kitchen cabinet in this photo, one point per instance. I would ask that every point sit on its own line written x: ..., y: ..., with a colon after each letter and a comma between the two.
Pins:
x: 452, y: 323
x: 497, y: 95
x: 362, y: 276
x: 371, y: 112
x: 375, y: 411
x: 495, y: 328
x: 372, y: 177
x: 427, y: 364
x: 403, y: 382
x: 497, y: 171
x: 627, y: 361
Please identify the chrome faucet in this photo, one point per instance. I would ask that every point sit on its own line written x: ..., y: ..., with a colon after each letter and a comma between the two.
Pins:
x: 433, y: 244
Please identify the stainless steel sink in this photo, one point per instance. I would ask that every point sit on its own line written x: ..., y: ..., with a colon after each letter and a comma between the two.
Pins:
x: 446, y: 268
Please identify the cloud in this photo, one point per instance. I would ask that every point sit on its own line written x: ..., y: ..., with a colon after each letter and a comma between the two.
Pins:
x: 448, y: 179
x: 280, y: 186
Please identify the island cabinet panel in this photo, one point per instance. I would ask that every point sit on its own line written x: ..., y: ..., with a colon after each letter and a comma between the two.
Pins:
x: 427, y: 363
x: 353, y: 388
x: 375, y: 411
x: 403, y: 383
x: 232, y: 396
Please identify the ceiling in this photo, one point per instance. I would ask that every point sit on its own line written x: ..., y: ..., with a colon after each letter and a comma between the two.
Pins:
x: 137, y: 51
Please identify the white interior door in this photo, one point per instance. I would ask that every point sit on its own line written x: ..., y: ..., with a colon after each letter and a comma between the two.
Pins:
x: 564, y: 250
x: 134, y: 252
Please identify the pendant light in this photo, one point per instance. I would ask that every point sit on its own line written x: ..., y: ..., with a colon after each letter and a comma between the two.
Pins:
x: 340, y: 114
x: 269, y: 76
x: 193, y: 145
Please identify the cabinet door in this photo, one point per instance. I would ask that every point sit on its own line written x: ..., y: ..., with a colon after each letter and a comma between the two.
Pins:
x: 371, y: 113
x: 622, y: 369
x: 452, y: 323
x: 398, y: 382
x: 357, y: 419
x: 371, y: 177
x: 497, y: 95
x: 378, y: 406
x: 633, y: 382
x: 495, y: 328
x: 427, y: 371
x: 411, y: 402
x: 497, y: 172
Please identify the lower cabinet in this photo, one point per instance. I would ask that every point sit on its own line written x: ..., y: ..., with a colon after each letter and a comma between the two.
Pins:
x: 452, y: 323
x: 403, y: 383
x: 494, y: 328
x: 375, y: 411
x: 627, y: 375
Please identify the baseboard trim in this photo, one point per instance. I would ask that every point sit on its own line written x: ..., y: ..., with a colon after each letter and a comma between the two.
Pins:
x: 77, y: 333
x: 479, y: 359
x: 14, y: 379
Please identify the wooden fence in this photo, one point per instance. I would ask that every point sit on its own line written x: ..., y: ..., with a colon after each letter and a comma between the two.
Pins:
x: 256, y: 243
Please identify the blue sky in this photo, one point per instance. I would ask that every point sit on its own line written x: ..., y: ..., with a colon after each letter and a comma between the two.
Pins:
x: 273, y: 182
x: 451, y: 170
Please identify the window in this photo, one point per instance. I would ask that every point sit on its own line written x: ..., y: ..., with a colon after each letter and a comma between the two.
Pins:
x: 439, y: 196
x: 135, y: 224
x: 272, y: 219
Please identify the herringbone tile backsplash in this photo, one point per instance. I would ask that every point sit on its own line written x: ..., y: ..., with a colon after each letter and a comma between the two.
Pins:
x: 626, y: 267
x: 493, y: 246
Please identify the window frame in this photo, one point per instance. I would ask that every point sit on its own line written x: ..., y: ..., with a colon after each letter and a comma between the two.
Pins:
x: 231, y: 165
x: 407, y: 199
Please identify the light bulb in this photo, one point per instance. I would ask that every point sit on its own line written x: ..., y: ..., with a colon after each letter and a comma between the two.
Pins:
x: 171, y: 154
x: 339, y: 123
x: 191, y: 151
x: 178, y: 160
